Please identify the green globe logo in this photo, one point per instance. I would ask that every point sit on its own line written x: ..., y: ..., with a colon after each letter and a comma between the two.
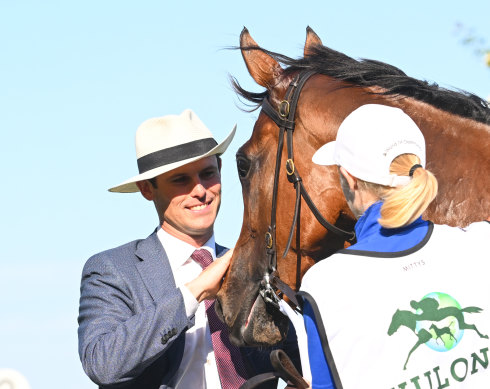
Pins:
x: 437, y: 320
x: 446, y: 333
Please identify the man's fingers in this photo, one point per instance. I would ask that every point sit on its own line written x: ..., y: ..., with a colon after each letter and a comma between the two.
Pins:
x: 227, y: 256
x: 207, y: 284
x: 224, y: 261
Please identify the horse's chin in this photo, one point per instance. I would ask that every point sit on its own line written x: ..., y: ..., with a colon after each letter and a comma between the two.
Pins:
x: 264, y: 325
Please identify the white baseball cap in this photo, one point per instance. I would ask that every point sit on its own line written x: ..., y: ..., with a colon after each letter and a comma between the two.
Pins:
x: 369, y: 139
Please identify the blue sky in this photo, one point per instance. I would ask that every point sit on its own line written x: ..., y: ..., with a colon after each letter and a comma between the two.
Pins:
x: 76, y: 80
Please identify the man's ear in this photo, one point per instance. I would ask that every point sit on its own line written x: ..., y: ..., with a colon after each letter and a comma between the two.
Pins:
x: 146, y: 189
x: 351, y: 180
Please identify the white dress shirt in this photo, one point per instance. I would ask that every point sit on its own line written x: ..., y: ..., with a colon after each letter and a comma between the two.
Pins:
x: 198, y: 366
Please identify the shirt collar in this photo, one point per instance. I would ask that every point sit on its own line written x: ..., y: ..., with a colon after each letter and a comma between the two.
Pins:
x: 178, y: 251
x: 372, y: 236
x: 368, y: 222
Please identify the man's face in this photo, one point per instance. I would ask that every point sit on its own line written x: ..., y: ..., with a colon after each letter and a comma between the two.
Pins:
x: 187, y: 199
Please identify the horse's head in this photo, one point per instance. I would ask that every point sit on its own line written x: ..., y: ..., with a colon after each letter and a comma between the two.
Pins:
x: 251, y: 320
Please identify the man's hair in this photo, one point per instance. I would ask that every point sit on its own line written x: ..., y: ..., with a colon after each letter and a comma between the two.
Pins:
x: 153, y: 181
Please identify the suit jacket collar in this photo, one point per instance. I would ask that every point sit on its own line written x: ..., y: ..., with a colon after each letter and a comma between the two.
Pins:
x: 154, y: 267
x: 220, y: 250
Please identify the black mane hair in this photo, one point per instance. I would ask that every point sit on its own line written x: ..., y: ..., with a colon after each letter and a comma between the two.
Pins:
x: 368, y: 73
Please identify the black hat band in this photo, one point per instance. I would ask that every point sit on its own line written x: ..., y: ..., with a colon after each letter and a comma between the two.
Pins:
x: 175, y: 154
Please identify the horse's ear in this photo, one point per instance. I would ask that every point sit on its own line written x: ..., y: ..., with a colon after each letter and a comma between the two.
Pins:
x: 261, y: 66
x: 311, y: 40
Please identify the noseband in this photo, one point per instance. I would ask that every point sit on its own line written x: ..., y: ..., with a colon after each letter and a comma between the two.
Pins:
x: 284, y: 117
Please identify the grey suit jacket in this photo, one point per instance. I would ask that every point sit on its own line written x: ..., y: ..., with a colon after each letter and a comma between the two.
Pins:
x: 132, y: 319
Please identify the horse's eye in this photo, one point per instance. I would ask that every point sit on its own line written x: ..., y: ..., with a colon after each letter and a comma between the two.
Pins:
x: 243, y: 166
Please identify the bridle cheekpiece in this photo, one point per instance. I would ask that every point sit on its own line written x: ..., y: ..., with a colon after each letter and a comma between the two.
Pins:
x: 284, y: 117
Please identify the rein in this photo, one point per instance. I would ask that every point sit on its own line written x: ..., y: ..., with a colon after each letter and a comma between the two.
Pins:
x: 284, y: 117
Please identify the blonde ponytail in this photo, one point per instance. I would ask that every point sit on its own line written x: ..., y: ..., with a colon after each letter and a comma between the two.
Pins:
x: 403, y: 205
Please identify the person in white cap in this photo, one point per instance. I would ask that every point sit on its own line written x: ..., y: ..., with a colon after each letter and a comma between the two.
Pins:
x: 141, y: 324
x: 390, y: 311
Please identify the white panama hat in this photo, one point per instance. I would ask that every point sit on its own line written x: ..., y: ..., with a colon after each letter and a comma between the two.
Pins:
x: 168, y: 142
x: 12, y: 379
x: 369, y: 139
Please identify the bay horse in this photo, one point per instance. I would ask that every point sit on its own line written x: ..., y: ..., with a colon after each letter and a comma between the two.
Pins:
x: 456, y: 126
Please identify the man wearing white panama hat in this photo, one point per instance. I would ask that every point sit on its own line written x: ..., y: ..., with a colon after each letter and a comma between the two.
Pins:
x: 141, y: 324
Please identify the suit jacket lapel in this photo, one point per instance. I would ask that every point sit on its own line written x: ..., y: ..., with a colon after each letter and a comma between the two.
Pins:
x: 220, y: 250
x: 154, y: 267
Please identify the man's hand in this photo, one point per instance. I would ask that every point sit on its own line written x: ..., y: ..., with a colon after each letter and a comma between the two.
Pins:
x: 208, y: 283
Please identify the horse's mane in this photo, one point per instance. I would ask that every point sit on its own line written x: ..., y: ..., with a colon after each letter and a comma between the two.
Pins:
x: 368, y: 73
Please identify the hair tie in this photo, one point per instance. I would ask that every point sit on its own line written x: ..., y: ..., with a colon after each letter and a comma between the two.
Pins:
x: 413, y: 168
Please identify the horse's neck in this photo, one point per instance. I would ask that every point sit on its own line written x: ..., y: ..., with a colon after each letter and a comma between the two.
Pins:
x: 457, y: 154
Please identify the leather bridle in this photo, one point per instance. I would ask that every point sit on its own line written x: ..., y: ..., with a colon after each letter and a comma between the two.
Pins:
x: 284, y: 117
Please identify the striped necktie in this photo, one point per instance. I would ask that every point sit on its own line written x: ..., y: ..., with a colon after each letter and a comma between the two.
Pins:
x: 231, y: 368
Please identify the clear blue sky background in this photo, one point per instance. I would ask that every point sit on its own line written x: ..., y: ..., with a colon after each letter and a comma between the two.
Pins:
x: 76, y: 80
